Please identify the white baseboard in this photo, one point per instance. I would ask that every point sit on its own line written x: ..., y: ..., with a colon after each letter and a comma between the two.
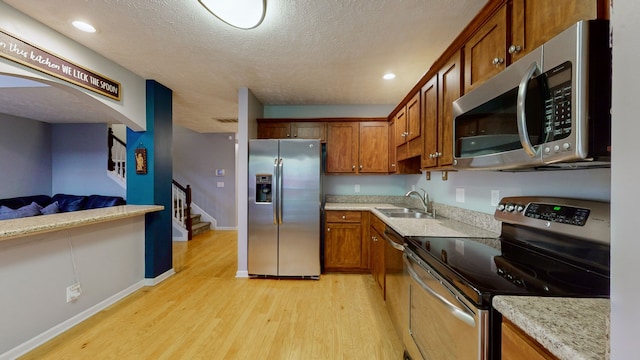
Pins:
x: 242, y: 274
x: 158, y: 279
x: 84, y: 315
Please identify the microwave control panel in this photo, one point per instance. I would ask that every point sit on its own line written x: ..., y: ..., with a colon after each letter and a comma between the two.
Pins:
x: 557, y: 104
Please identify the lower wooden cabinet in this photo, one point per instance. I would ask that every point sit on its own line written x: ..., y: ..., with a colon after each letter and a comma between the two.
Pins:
x: 345, y: 245
x: 517, y: 345
x: 376, y: 246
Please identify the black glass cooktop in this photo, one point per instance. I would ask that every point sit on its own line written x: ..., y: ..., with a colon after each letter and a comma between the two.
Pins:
x: 481, y: 271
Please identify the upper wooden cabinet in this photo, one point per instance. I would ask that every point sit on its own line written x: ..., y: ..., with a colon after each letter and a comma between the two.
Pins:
x: 533, y: 22
x: 485, y: 52
x: 515, y: 29
x: 358, y: 147
x: 438, y: 95
x: 408, y: 127
x: 292, y: 130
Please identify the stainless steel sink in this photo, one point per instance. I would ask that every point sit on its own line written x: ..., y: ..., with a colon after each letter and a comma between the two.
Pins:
x: 405, y: 213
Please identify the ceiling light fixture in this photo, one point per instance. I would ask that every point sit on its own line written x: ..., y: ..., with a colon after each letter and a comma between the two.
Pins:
x: 83, y: 26
x: 243, y: 14
x: 389, y: 76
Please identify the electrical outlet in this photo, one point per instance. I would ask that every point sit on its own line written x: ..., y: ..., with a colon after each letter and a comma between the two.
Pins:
x: 357, y: 188
x: 495, y: 197
x: 460, y: 195
x: 413, y: 187
x: 73, y: 292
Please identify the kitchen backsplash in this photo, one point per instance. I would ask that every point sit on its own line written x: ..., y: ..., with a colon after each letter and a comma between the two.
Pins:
x: 471, y: 217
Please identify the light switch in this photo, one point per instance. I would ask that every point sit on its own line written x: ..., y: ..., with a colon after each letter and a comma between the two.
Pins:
x: 220, y: 184
x: 357, y: 188
x: 460, y: 195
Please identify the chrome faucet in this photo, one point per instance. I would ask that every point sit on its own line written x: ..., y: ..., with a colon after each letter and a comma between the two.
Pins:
x: 424, y: 199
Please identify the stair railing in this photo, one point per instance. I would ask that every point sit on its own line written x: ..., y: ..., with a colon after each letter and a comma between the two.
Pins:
x: 181, y: 196
x: 116, y: 159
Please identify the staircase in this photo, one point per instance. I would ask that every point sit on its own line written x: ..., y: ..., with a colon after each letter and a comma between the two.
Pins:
x: 185, y: 221
x: 198, y: 226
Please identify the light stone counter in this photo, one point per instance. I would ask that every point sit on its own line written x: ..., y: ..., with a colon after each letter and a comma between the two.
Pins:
x: 571, y: 329
x: 10, y: 229
x: 439, y: 226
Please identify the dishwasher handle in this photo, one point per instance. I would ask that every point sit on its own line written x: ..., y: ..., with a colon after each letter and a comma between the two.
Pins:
x: 462, y: 314
x: 394, y: 244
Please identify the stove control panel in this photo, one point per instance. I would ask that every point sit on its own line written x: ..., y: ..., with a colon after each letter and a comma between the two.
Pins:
x: 558, y: 213
x: 582, y: 218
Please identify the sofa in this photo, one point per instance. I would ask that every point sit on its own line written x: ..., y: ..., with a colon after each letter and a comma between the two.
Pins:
x: 23, y: 206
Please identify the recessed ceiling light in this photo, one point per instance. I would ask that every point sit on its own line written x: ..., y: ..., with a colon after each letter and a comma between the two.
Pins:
x: 243, y: 14
x: 83, y: 26
x: 389, y: 76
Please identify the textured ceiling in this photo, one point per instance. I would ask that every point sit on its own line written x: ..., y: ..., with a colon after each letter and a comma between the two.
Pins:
x: 304, y: 52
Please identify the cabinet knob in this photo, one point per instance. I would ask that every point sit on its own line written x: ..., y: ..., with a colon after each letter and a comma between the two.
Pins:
x: 353, y: 167
x: 328, y: 229
x: 497, y: 61
x: 513, y: 49
x: 344, y: 217
x: 288, y: 135
x: 360, y: 166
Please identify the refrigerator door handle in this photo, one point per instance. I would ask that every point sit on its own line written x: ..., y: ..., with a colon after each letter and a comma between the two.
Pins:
x: 280, y: 190
x: 274, y: 203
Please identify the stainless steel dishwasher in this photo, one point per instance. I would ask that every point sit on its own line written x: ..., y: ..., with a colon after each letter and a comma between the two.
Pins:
x: 397, y: 287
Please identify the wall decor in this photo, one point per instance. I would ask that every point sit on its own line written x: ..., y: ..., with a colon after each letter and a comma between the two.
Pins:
x: 141, y: 160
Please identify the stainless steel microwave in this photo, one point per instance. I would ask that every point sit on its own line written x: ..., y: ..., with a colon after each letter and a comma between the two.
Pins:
x: 550, y: 109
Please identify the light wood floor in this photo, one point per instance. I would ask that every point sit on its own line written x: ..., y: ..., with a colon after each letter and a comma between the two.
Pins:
x: 204, y: 312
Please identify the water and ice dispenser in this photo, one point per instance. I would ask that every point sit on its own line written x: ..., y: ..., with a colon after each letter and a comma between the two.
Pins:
x: 263, y: 188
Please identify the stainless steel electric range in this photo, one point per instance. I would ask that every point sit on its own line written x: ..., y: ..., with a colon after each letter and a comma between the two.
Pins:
x: 547, y: 247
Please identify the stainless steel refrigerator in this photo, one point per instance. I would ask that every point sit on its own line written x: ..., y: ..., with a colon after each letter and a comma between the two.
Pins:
x: 284, y: 208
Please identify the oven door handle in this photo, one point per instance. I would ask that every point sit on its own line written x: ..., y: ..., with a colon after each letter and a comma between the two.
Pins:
x: 462, y: 314
x: 394, y: 244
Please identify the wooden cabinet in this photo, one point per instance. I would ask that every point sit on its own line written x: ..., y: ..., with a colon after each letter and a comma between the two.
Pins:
x: 515, y: 29
x: 376, y: 247
x: 533, y: 22
x: 408, y: 130
x: 358, y: 147
x: 485, y: 52
x: 345, y: 248
x: 393, y: 168
x: 292, y: 130
x: 517, y: 345
x: 438, y: 95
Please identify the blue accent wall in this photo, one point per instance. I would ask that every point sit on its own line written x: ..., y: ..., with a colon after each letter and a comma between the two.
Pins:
x: 154, y: 187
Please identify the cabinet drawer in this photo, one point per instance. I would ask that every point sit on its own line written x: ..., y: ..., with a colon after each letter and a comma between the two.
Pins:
x: 343, y: 216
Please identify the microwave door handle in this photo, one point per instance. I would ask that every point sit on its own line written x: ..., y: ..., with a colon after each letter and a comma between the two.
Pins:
x: 520, y: 110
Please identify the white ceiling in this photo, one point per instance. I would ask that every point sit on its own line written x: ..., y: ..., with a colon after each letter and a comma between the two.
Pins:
x: 305, y: 51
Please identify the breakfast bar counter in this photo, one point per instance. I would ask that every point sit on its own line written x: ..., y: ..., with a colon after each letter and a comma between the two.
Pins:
x: 14, y: 228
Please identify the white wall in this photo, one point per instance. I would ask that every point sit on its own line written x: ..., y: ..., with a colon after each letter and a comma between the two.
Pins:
x: 249, y: 109
x: 196, y: 157
x: 593, y: 184
x: 130, y: 110
x: 79, y: 161
x: 25, y: 157
x: 625, y: 192
x: 36, y: 270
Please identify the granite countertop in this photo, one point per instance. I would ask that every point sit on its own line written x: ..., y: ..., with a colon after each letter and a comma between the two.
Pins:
x: 14, y: 228
x: 440, y: 226
x: 570, y: 328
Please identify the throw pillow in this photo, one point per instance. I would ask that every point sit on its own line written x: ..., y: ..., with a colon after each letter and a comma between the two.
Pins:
x: 27, y: 210
x: 50, y: 209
